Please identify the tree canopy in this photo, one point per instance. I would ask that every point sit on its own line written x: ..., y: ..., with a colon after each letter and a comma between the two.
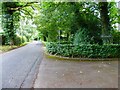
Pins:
x: 75, y: 22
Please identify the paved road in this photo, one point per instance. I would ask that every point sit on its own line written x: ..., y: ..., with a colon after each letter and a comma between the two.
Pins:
x: 20, y: 66
x: 56, y: 73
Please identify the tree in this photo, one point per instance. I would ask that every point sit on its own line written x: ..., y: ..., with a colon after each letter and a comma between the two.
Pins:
x: 113, y: 14
x: 71, y: 19
x: 54, y: 17
x: 86, y: 20
x: 10, y: 18
x: 105, y: 20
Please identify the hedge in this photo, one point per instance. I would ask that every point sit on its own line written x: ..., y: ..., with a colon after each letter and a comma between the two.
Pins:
x: 84, y: 51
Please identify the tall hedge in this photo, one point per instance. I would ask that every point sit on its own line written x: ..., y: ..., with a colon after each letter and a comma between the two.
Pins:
x: 83, y: 50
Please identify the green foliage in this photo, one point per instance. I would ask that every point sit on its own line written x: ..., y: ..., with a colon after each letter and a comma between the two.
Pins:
x: 52, y: 18
x: 68, y: 17
x: 9, y: 20
x: 6, y: 48
x: 81, y: 37
x: 24, y: 39
x: 19, y: 40
x: 11, y: 14
x: 23, y: 44
x: 87, y: 36
x: 83, y: 50
x: 64, y: 42
x: 116, y: 37
x: 78, y: 22
x: 114, y: 14
x: 2, y: 38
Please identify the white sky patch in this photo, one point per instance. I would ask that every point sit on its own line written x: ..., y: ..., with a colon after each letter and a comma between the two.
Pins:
x: 112, y: 0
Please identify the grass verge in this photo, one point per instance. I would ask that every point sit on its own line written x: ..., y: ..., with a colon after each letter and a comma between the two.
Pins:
x: 5, y: 48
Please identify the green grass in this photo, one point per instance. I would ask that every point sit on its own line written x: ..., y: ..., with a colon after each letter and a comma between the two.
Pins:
x: 5, y: 48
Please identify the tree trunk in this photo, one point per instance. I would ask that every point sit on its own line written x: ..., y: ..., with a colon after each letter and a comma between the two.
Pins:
x: 105, y: 20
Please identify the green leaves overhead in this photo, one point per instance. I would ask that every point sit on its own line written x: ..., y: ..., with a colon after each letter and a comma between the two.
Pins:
x: 69, y: 17
x: 61, y: 20
x: 11, y: 12
x: 54, y: 17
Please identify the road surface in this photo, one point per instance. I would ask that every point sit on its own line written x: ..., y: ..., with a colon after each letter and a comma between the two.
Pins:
x: 20, y: 66
x: 27, y: 67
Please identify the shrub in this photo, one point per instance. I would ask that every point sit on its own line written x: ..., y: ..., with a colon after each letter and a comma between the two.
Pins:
x: 2, y: 39
x: 64, y: 42
x: 24, y: 39
x: 83, y: 50
x: 51, y: 47
x: 19, y: 40
x: 81, y: 37
x: 87, y: 36
x: 116, y: 37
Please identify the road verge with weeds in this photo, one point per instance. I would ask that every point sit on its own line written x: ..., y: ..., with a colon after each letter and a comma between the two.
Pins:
x: 5, y: 48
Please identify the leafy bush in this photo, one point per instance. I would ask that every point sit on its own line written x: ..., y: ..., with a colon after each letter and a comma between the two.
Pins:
x: 81, y: 37
x: 83, y: 50
x: 19, y: 40
x: 116, y: 37
x: 24, y: 39
x: 64, y: 42
x: 88, y: 36
x: 2, y: 39
x: 7, y: 48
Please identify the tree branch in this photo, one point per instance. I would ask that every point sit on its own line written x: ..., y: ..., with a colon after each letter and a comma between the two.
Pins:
x: 20, y: 7
x: 27, y: 12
